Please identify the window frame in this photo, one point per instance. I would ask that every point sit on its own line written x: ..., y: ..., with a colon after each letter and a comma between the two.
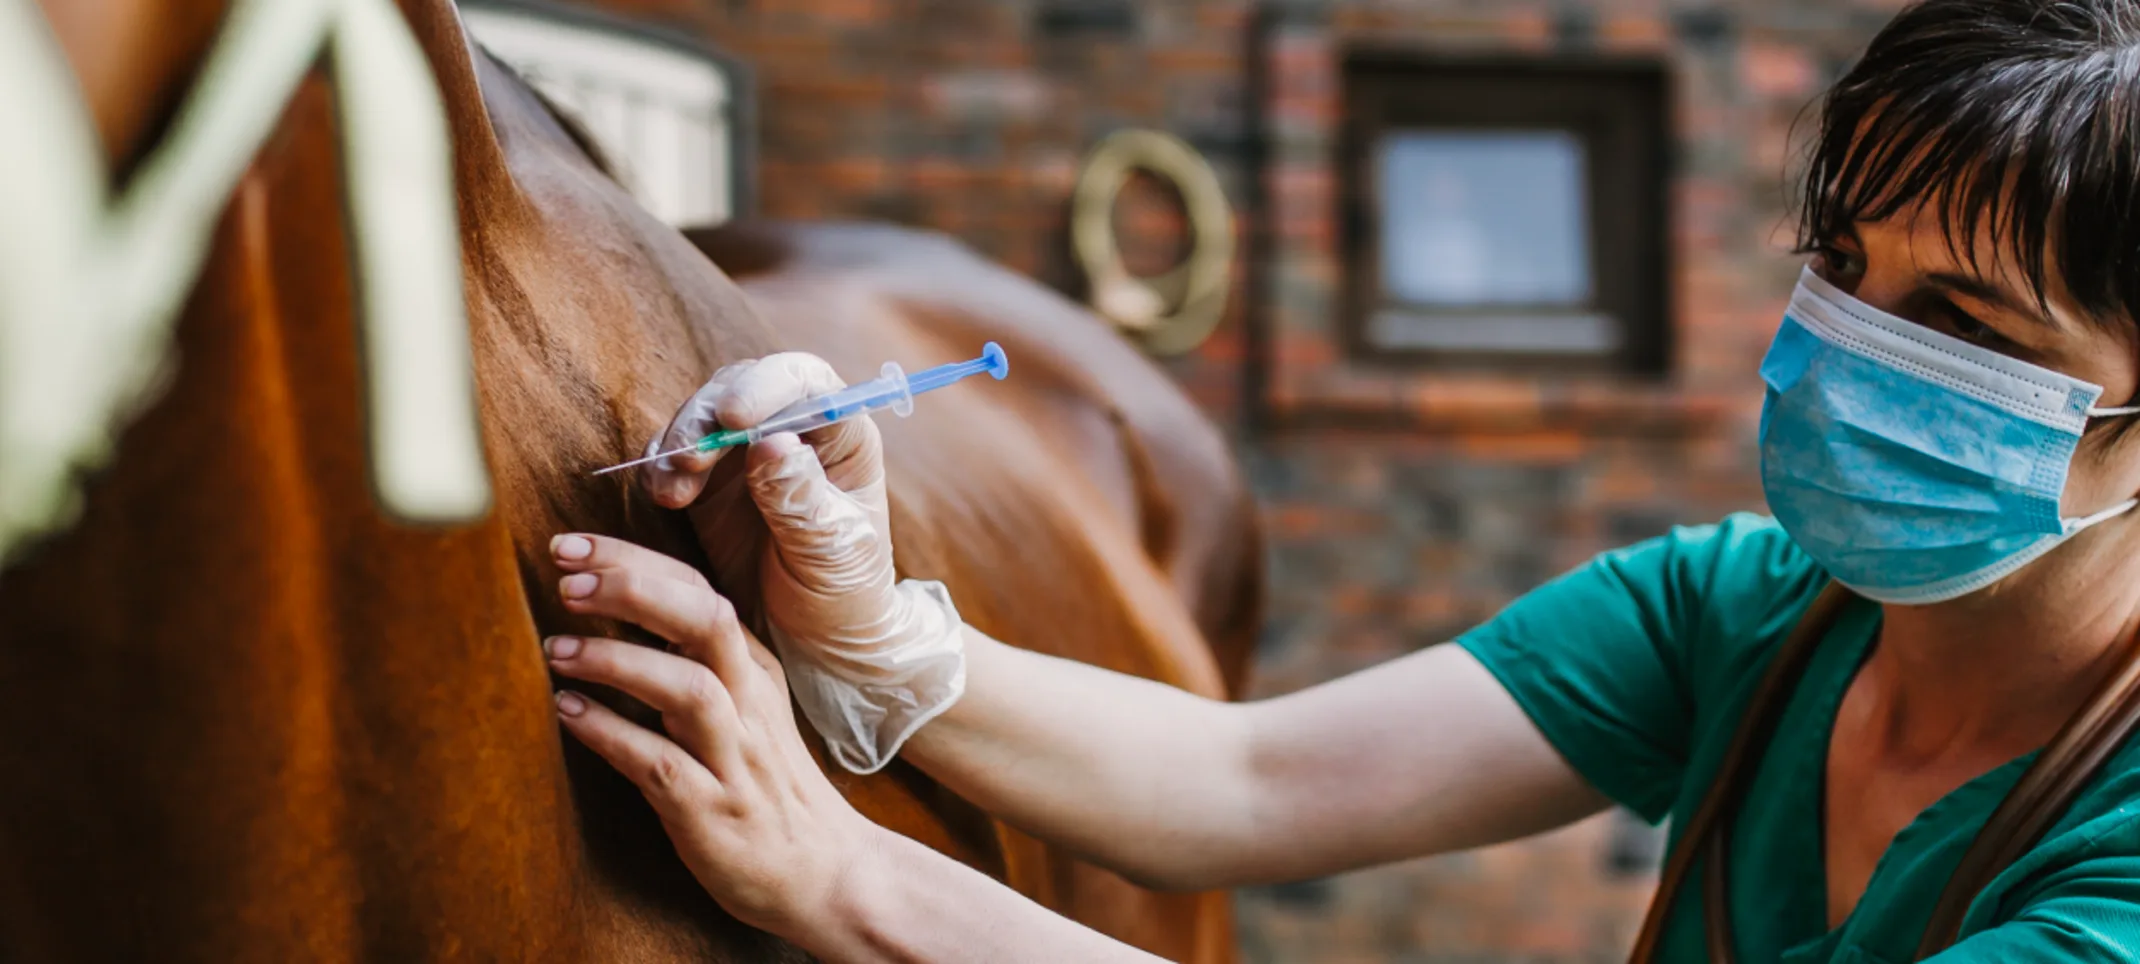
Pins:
x: 1618, y: 109
x: 738, y: 110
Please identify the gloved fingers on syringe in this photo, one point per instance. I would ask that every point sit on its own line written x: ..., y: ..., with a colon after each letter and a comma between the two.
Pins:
x: 676, y: 480
x: 850, y: 450
x: 737, y: 396
x: 764, y: 387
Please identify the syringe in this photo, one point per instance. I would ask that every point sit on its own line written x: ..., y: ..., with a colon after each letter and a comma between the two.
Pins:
x: 892, y: 388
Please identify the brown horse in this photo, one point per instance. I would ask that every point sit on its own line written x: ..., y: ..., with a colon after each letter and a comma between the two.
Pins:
x: 252, y: 718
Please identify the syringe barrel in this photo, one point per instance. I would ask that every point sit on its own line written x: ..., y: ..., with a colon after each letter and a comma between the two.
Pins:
x: 887, y: 390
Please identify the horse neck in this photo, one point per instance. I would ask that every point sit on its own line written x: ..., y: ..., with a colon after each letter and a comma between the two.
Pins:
x: 480, y: 172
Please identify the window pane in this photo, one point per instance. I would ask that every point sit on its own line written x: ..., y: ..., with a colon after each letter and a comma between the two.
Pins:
x: 1477, y: 218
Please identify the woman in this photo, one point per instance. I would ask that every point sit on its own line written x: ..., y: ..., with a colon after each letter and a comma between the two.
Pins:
x: 1947, y: 433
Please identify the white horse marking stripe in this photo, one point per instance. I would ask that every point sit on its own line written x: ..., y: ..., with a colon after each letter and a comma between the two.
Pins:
x: 91, y: 285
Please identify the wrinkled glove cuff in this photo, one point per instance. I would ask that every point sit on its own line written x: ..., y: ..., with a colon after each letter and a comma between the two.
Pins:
x: 866, y: 705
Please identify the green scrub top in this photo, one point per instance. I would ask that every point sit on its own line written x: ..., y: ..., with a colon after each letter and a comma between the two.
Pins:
x: 1638, y: 667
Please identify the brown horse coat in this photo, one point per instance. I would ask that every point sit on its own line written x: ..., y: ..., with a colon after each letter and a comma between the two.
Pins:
x: 254, y: 720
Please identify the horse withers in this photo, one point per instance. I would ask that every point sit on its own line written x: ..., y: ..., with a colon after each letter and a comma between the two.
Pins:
x: 257, y: 718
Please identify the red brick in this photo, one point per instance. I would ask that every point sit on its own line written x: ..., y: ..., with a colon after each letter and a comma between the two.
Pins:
x: 1222, y: 18
x: 1624, y: 481
x: 1528, y: 29
x: 1639, y: 32
x: 1174, y: 64
x: 1312, y: 187
x: 1293, y: 520
x: 1343, y: 392
x: 848, y: 13
x: 940, y: 178
x: 856, y: 175
x: 1478, y: 401
x: 1433, y: 606
x: 774, y: 51
x: 1777, y: 70
x: 969, y: 94
x: 1298, y: 54
x: 1301, y: 352
x: 1551, y: 448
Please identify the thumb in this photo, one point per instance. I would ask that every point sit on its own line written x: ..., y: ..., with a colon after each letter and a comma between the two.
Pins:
x: 827, y: 538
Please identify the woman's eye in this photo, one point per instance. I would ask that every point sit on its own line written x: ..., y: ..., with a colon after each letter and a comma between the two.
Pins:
x: 1840, y: 263
x: 1968, y: 328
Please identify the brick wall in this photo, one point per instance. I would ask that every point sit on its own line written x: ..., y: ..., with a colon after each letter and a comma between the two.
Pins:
x: 1403, y: 507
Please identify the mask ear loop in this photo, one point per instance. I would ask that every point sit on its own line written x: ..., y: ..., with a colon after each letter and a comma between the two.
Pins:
x: 2123, y: 507
x: 2131, y: 407
x: 2106, y: 515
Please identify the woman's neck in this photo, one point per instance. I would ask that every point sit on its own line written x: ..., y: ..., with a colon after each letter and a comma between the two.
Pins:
x: 2010, y: 664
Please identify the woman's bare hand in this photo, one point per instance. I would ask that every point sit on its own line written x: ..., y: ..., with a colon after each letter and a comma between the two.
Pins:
x: 736, y: 789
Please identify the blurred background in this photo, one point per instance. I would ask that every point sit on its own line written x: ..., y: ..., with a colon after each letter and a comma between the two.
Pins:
x: 1504, y: 272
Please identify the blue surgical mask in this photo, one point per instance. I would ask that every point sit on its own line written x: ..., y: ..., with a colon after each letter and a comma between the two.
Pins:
x: 1913, y: 466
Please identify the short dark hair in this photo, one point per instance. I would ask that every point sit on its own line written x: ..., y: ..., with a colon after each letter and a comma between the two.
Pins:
x: 2023, y: 116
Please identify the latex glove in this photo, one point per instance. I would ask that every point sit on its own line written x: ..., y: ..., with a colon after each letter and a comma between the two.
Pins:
x: 869, y: 657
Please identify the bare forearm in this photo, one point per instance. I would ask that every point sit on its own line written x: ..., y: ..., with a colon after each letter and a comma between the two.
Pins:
x: 1141, y: 777
x: 906, y: 902
x: 1421, y: 755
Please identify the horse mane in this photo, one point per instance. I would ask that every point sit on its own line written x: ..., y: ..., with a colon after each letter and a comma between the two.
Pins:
x: 575, y: 129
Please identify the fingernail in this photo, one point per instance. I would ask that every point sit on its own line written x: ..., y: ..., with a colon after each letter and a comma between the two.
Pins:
x: 572, y: 547
x: 570, y: 703
x: 561, y: 647
x: 579, y: 585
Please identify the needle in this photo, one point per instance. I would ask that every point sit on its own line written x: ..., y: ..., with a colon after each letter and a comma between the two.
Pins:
x: 650, y: 458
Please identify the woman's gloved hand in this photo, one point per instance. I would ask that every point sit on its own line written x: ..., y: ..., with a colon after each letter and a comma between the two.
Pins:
x: 869, y: 657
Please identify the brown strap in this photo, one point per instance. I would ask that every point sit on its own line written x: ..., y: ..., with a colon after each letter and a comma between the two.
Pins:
x: 2040, y: 797
x: 1716, y: 895
x: 1755, y: 728
x: 2067, y: 764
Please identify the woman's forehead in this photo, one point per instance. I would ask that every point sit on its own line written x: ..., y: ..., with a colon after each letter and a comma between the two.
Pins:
x: 2025, y: 152
x: 1981, y: 256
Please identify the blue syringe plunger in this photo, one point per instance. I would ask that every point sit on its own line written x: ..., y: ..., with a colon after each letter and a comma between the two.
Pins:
x: 893, y: 388
x: 991, y: 361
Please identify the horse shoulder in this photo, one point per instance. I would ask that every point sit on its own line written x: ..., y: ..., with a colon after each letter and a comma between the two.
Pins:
x: 1089, y: 460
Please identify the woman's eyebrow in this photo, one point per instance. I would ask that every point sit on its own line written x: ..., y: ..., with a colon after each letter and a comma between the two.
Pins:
x: 1992, y: 294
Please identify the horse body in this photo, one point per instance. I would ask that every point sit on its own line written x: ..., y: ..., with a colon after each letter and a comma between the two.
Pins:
x: 258, y: 721
x: 1109, y: 525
